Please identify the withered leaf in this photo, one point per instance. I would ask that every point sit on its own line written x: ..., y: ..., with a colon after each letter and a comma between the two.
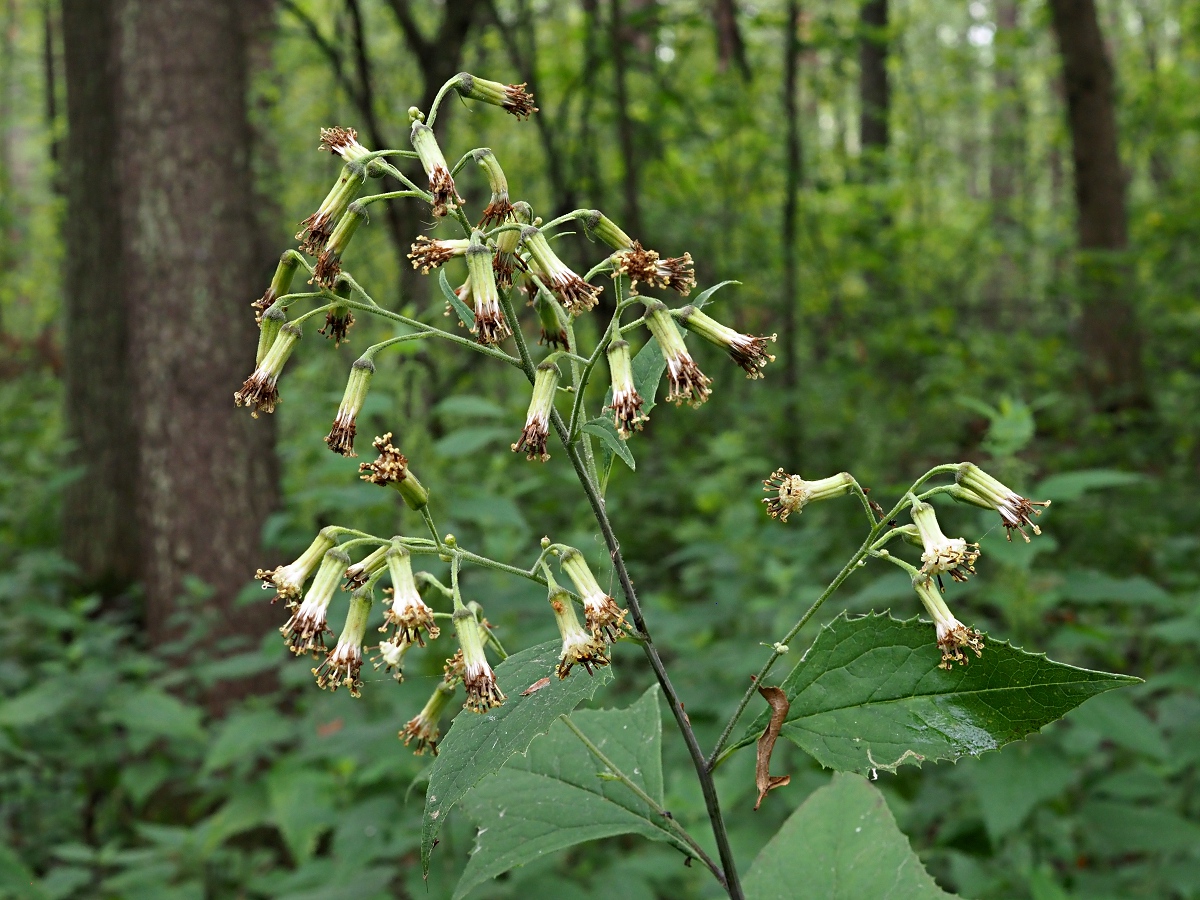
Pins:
x: 779, y: 709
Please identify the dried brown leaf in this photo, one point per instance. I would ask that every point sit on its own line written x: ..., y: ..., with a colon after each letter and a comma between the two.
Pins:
x: 779, y: 709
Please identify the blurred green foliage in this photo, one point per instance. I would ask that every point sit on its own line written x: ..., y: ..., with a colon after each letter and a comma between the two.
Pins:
x: 115, y: 781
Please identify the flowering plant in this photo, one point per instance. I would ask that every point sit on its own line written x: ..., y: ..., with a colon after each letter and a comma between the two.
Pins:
x: 872, y: 692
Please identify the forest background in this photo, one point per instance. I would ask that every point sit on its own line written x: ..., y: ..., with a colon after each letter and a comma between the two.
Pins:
x: 972, y: 225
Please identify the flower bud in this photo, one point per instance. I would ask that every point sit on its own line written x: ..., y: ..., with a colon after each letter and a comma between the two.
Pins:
x: 482, y: 691
x: 341, y: 437
x: 490, y: 325
x: 409, y: 614
x: 499, y: 208
x: 392, y: 468
x: 269, y: 325
x: 343, y: 664
x: 963, y: 495
x: 339, y: 318
x: 553, y: 334
x: 952, y: 556
x: 512, y: 98
x: 288, y: 581
x: 605, y: 619
x: 687, y: 381
x: 259, y: 391
x: 441, y: 185
x: 424, y: 728
x: 1015, y: 510
x: 626, y: 401
x: 746, y: 350
x: 305, y: 631
x: 427, y: 254
x: 793, y: 493
x: 537, y: 420
x: 281, y: 282
x: 360, y: 573
x: 596, y: 224
x: 579, y: 647
x: 329, y: 263
x: 574, y: 293
x: 952, y: 635
x: 315, y: 230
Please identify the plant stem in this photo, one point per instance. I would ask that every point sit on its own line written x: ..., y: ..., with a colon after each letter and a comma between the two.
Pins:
x: 642, y: 795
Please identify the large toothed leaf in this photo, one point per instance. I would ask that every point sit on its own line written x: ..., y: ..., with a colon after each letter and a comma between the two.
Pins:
x: 477, y: 745
x: 869, y: 695
x: 606, y: 431
x: 841, y: 844
x: 559, y: 794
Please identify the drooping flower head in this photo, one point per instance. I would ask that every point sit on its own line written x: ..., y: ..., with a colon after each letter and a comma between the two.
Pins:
x: 791, y: 493
x: 953, y: 637
x: 269, y: 325
x: 260, y: 391
x: 441, y: 185
x: 329, y: 263
x: 391, y: 656
x: 345, y: 425
x: 512, y: 98
x: 601, y: 613
x: 315, y: 230
x: 288, y: 581
x: 572, y: 291
x: 686, y: 380
x: 427, y: 254
x: 597, y: 224
x: 505, y: 261
x: 642, y: 265
x: 1015, y: 510
x: 553, y: 334
x: 342, y: 665
x: 362, y: 571
x: 500, y: 207
x: 408, y: 614
x: 391, y: 468
x: 579, y: 647
x: 626, y: 401
x: 424, y: 728
x: 281, y: 282
x: 942, y: 555
x: 482, y: 691
x: 490, y: 325
x: 305, y: 631
x: 747, y: 350
x: 343, y: 142
x: 537, y: 420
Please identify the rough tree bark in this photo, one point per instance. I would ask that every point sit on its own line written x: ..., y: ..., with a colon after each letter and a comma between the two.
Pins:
x: 191, y: 262
x: 1109, y: 333
x: 99, y: 529
x: 874, y: 89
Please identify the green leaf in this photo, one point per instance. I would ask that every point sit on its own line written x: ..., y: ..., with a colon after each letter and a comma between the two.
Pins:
x: 869, y: 695
x: 43, y: 701
x: 301, y: 801
x: 1087, y: 586
x: 648, y: 365
x: 479, y: 745
x: 150, y: 714
x: 705, y: 297
x: 559, y: 794
x: 1073, y: 485
x: 246, y: 737
x: 604, y: 429
x: 465, y: 314
x: 1009, y: 784
x: 841, y: 844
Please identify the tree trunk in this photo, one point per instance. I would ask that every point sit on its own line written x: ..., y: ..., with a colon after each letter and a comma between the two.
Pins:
x: 1109, y: 331
x: 206, y: 474
x: 730, y: 46
x: 625, y: 125
x: 99, y: 531
x: 874, y: 90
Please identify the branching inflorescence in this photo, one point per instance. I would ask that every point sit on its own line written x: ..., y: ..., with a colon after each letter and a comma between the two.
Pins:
x: 509, y: 251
